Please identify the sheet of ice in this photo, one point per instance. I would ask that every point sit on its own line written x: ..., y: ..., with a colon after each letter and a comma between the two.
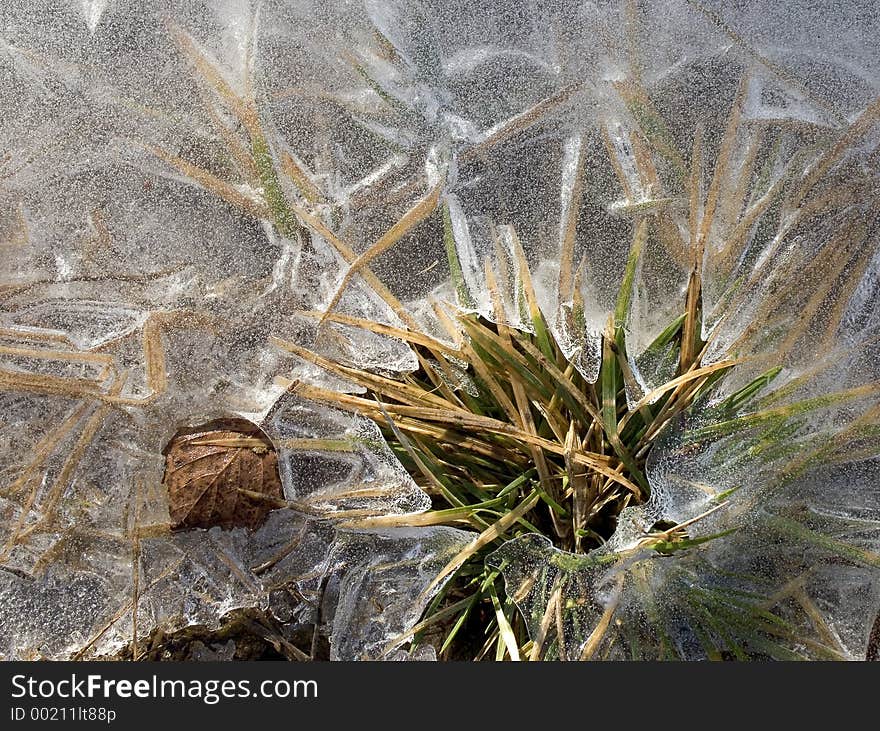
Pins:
x: 179, y: 186
x: 382, y: 579
x: 139, y: 297
x: 338, y: 464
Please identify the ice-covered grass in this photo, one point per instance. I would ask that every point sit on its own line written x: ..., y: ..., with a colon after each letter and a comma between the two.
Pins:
x: 624, y: 252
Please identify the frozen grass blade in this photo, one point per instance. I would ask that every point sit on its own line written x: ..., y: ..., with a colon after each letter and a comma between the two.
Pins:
x: 415, y: 215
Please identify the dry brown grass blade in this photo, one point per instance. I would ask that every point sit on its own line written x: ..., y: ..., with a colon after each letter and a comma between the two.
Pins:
x: 679, y: 399
x: 212, y: 183
x: 525, y: 276
x: 414, y: 216
x: 689, y: 327
x: 90, y: 430
x: 633, y: 43
x: 154, y: 356
x: 62, y: 355
x: 399, y: 390
x: 578, y: 488
x: 601, y: 628
x: 503, y: 261
x: 54, y: 385
x: 21, y: 236
x: 233, y: 442
x: 35, y: 334
x: 615, y: 164
x: 722, y: 163
x: 135, y: 566
x: 45, y: 448
x: 280, y: 554
x: 300, y: 178
x: 569, y: 220
x: 448, y: 324
x: 494, y: 531
x: 458, y: 419
x: 357, y: 492
x: 524, y: 589
x: 207, y: 70
x: 234, y: 144
x: 691, y: 375
x: 648, y: 176
x: 347, y: 253
x: 520, y: 122
x: 695, y: 188
x: 560, y: 633
x: 440, y: 434
x: 547, y: 621
x: 410, y: 520
x: 90, y: 387
x: 827, y: 636
x: 59, y: 386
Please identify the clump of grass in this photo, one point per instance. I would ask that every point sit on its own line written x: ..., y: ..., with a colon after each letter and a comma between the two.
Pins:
x: 500, y: 428
x: 530, y: 446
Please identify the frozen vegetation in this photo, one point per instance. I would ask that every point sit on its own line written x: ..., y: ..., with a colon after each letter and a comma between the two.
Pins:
x: 194, y: 192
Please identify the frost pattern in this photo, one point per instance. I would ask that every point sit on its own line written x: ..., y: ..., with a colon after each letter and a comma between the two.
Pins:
x: 184, y: 190
x: 382, y: 583
x: 338, y: 465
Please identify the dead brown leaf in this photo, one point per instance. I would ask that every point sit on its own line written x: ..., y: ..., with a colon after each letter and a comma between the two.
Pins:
x: 224, y: 473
